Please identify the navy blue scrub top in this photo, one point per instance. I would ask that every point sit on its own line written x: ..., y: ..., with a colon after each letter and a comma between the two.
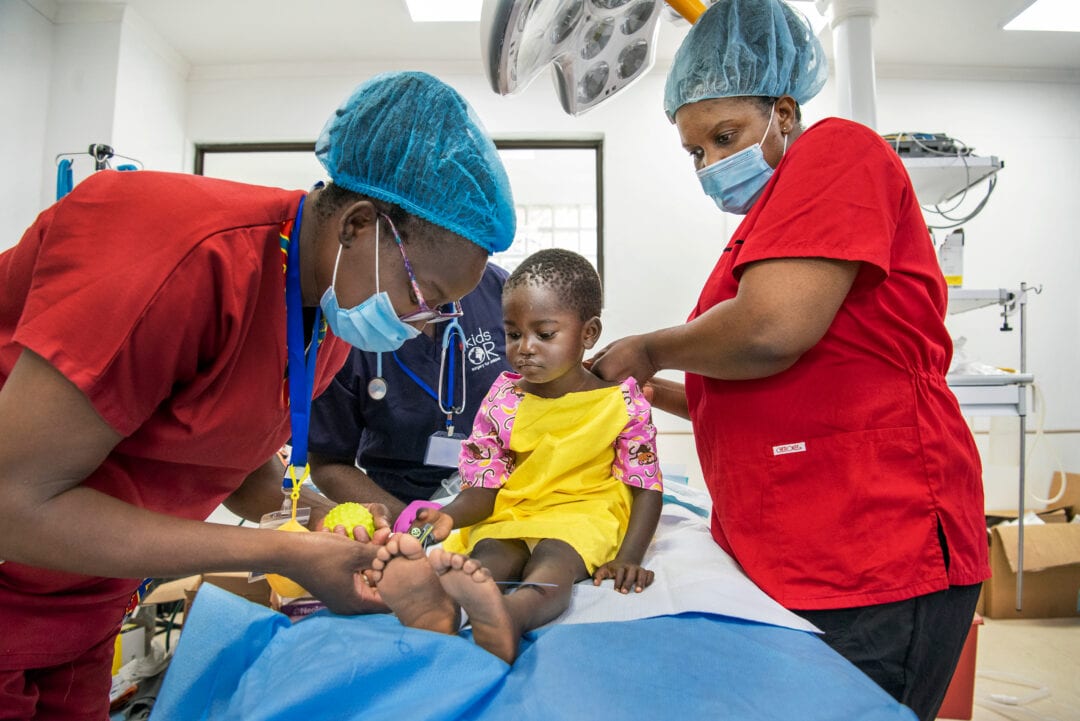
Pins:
x: 389, y: 438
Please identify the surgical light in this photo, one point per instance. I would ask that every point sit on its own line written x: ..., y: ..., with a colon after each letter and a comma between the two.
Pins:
x: 598, y: 47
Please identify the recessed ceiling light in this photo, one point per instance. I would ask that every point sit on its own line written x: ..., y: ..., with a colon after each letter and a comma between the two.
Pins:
x: 1061, y: 16
x: 444, y: 11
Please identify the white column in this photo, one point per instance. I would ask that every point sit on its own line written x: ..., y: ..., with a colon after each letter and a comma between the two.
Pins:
x: 851, y: 22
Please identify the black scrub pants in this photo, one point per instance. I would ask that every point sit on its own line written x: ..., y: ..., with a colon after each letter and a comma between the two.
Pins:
x: 909, y: 648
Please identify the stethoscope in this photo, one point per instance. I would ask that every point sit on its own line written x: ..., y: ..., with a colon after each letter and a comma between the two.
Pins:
x: 377, y: 386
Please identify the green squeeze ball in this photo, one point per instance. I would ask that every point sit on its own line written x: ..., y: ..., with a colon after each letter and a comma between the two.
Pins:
x: 350, y: 515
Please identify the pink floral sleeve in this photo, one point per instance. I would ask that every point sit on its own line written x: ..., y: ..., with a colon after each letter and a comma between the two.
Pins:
x: 486, y: 460
x: 636, y: 463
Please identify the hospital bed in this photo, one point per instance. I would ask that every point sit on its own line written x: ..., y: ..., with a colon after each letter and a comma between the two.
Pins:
x: 701, y: 643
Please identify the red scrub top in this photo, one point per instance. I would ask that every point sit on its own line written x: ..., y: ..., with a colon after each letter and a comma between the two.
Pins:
x: 829, y: 480
x: 162, y: 297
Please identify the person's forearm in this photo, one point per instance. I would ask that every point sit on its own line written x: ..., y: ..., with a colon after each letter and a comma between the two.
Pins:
x: 644, y: 517
x: 717, y: 344
x: 261, y: 493
x: 782, y: 309
x: 52, y: 439
x: 344, y: 483
x: 84, y: 531
x: 669, y: 396
x: 471, y: 506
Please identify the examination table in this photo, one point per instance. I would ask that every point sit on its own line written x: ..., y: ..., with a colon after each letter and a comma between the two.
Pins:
x: 701, y: 643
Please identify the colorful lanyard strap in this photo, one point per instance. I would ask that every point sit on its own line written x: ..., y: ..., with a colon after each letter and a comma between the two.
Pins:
x: 301, y: 364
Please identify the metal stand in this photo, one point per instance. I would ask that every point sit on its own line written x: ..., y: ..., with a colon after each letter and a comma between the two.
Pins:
x: 1000, y: 395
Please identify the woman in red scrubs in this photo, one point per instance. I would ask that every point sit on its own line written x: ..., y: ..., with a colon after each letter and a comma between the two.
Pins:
x: 153, y: 329
x: 844, y: 479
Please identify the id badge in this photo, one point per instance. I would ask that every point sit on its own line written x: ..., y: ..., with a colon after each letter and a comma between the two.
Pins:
x: 443, y: 449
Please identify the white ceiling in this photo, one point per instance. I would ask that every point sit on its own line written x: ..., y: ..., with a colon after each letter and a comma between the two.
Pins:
x: 964, y: 33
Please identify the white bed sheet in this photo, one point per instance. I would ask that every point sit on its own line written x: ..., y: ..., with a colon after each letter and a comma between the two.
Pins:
x: 693, y: 574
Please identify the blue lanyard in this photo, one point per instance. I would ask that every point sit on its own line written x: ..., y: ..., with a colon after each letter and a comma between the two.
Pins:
x: 419, y: 381
x: 301, y: 366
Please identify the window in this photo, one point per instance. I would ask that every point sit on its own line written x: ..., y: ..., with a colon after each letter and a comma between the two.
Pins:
x: 557, y: 186
x: 278, y: 165
x: 558, y: 198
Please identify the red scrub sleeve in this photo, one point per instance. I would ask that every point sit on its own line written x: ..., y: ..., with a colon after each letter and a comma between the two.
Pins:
x: 838, y: 193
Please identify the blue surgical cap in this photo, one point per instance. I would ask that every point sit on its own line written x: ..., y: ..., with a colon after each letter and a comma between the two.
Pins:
x: 746, y: 48
x: 412, y: 140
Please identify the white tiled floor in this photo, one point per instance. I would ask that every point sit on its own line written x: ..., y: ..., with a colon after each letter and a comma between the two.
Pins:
x: 1045, y: 652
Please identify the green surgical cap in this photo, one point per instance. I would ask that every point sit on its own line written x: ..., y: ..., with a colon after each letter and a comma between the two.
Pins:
x: 746, y: 48
x: 412, y: 140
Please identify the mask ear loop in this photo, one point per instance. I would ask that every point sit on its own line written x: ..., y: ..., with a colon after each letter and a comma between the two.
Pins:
x: 768, y: 127
x: 377, y: 224
x: 337, y: 261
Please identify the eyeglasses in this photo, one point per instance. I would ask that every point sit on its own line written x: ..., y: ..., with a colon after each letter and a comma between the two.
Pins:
x: 426, y: 314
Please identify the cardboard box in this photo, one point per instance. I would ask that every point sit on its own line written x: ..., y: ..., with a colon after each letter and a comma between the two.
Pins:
x: 1057, y: 515
x: 1051, y: 583
x: 186, y: 589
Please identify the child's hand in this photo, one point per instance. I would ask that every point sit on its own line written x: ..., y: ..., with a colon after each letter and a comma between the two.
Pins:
x: 627, y: 576
x: 441, y: 522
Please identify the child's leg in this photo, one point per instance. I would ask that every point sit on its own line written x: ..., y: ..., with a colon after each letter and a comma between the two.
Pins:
x: 471, y: 582
x: 552, y: 562
x: 498, y: 621
x: 407, y: 584
x: 505, y: 558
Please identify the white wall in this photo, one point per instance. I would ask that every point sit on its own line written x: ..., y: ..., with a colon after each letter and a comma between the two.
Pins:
x: 82, y: 90
x: 73, y: 75
x: 662, y: 234
x: 151, y: 98
x: 26, y: 39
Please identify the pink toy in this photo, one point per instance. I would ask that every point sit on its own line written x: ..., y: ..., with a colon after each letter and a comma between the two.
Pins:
x: 401, y: 525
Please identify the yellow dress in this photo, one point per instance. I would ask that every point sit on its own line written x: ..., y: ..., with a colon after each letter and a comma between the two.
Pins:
x: 563, y: 466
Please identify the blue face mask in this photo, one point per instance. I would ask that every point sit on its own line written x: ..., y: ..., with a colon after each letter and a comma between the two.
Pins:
x: 735, y: 182
x: 373, y: 325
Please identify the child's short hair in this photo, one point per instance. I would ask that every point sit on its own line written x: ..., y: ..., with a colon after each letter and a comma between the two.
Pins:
x: 566, y: 272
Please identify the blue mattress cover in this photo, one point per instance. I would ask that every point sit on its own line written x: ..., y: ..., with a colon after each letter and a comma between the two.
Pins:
x: 239, y: 660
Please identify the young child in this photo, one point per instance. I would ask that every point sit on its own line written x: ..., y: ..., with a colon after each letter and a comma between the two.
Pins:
x: 560, y: 477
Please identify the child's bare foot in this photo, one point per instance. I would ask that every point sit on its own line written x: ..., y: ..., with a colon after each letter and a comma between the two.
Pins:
x: 409, y: 586
x: 471, y: 585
